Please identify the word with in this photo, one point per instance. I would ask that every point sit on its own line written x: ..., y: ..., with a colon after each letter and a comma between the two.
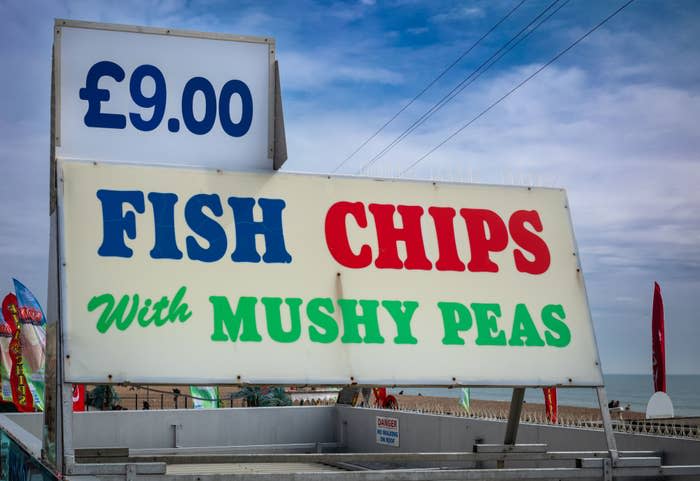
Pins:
x: 94, y: 96
x: 116, y: 223
x: 487, y: 231
x: 148, y: 313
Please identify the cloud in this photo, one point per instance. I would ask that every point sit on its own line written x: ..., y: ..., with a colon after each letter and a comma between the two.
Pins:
x: 349, y: 12
x: 627, y: 155
x: 417, y: 30
x: 614, y: 122
x: 302, y: 71
x: 459, y: 13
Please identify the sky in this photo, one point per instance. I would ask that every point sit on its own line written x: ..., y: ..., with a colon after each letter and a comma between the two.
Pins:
x: 613, y: 121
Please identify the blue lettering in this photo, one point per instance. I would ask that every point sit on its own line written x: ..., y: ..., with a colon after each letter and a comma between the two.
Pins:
x: 270, y: 228
x: 207, y: 228
x: 227, y: 91
x: 95, y: 96
x: 116, y: 222
x: 155, y: 101
x: 165, y: 246
x: 209, y: 240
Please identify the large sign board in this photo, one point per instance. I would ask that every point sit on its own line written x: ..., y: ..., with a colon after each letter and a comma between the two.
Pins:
x: 191, y: 276
x: 143, y: 95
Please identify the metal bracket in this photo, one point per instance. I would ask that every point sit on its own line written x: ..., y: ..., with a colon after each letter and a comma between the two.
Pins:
x: 177, y: 428
x: 130, y: 472
x: 516, y: 408
x: 279, y: 138
x: 607, y: 470
x: 607, y: 424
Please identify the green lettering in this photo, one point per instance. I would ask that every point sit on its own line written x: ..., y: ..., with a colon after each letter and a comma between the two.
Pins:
x: 105, y: 319
x: 179, y: 311
x: 352, y: 320
x: 322, y: 319
x: 122, y: 319
x: 486, y: 316
x: 523, y: 327
x: 455, y: 317
x: 402, y: 318
x: 143, y: 322
x: 225, y: 318
x: 113, y: 315
x: 157, y: 309
x: 553, y: 316
x: 274, y: 319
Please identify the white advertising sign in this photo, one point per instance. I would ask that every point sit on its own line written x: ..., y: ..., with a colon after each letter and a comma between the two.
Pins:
x: 195, y: 277
x: 387, y: 430
x: 133, y: 94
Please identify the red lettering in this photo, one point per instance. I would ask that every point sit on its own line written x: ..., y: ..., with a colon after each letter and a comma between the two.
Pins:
x: 481, y: 245
x: 29, y: 314
x: 529, y: 241
x: 337, y: 234
x: 487, y: 234
x: 388, y: 236
x: 445, y: 232
x: 386, y: 422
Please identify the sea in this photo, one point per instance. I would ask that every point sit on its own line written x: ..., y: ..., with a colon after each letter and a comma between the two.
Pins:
x: 632, y: 389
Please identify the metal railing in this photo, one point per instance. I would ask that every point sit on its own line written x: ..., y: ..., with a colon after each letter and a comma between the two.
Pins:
x: 671, y: 428
x: 668, y: 427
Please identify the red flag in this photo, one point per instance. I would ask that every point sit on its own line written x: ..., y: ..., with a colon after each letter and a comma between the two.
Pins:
x: 658, y: 343
x: 550, y: 403
x: 379, y: 395
x: 21, y: 395
x: 78, y: 397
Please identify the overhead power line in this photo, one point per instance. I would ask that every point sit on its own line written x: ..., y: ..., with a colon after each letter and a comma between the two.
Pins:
x: 526, y: 80
x: 427, y: 87
x: 471, y: 78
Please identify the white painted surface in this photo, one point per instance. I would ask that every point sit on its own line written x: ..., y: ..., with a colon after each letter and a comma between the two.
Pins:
x: 659, y: 406
x: 184, y: 352
x: 387, y: 430
x: 179, y: 59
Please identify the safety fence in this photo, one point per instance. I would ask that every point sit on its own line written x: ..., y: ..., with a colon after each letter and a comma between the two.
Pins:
x: 186, y: 401
x: 681, y: 428
x: 688, y: 429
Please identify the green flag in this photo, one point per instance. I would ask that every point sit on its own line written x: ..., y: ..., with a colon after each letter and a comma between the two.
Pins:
x: 205, y: 397
x: 464, y: 399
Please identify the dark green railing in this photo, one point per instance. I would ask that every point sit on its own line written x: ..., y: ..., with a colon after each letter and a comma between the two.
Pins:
x: 18, y: 465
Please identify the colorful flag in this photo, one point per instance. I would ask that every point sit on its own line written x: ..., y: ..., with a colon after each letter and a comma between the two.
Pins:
x: 658, y: 344
x: 379, y: 396
x: 550, y: 403
x: 205, y: 397
x: 5, y: 360
x: 33, y: 335
x: 78, y: 397
x: 21, y: 394
x: 465, y: 400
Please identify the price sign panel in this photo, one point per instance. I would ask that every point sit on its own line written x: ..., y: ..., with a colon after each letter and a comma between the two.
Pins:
x: 156, y: 96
